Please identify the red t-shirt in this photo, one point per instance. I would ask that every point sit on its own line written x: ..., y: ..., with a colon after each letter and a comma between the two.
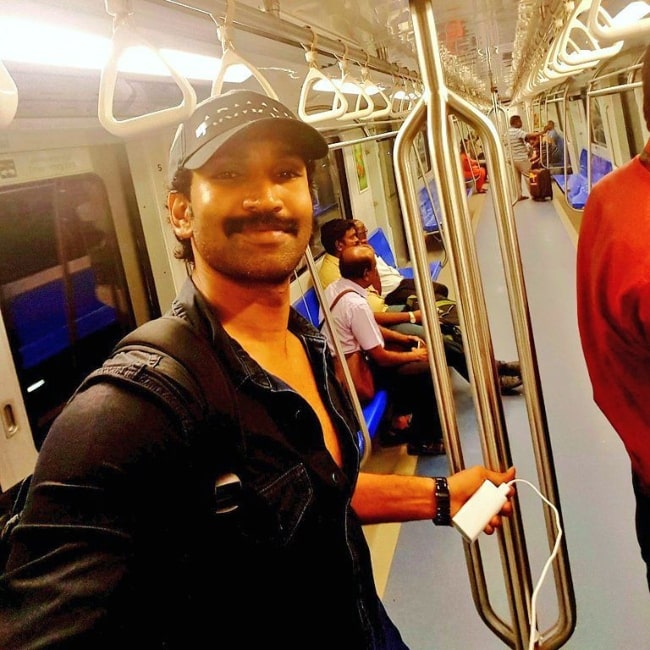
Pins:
x: 613, y: 298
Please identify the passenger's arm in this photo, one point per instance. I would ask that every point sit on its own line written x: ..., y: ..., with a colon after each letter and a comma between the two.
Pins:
x: 388, y: 318
x: 382, y: 498
x: 383, y: 357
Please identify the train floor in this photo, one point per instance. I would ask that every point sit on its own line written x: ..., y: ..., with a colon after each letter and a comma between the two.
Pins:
x: 421, y: 570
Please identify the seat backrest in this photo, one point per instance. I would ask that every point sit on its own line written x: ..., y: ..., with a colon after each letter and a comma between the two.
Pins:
x: 307, y: 305
x: 382, y: 248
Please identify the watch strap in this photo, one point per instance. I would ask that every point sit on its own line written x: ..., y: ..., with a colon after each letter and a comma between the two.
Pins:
x: 443, y: 503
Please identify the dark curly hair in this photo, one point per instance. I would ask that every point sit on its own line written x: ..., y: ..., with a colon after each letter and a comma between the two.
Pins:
x: 182, y: 184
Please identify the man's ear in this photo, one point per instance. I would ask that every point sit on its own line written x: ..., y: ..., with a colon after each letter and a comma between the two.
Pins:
x: 180, y: 214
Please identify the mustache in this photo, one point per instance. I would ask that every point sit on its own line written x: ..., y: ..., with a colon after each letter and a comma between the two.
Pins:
x: 263, y: 221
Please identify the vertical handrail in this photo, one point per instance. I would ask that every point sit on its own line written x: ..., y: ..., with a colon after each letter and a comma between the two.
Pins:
x: 611, y: 90
x: 438, y: 101
x: 123, y: 36
x: 318, y: 288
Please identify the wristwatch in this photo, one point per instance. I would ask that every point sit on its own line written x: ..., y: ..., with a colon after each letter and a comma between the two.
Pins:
x: 411, y: 317
x: 443, y: 506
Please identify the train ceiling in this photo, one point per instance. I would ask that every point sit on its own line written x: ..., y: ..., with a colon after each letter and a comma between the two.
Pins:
x: 485, y: 45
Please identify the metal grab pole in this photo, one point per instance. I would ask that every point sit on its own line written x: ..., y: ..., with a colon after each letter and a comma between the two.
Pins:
x: 473, y: 314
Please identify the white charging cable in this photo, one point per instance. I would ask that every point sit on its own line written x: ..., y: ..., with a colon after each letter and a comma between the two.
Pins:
x: 534, y: 635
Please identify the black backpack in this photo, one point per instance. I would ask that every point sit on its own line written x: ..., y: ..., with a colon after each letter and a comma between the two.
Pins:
x: 188, y: 378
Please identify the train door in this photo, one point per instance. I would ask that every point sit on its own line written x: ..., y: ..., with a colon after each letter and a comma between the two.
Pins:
x: 63, y: 293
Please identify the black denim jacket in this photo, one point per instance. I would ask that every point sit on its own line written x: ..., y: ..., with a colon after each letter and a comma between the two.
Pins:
x: 242, y: 531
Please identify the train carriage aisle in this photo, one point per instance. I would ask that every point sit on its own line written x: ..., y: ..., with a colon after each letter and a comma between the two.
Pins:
x: 427, y: 588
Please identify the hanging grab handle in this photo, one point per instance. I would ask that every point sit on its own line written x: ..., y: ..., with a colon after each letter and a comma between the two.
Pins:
x: 570, y: 53
x: 230, y: 58
x: 339, y: 102
x: 363, y: 106
x: 8, y: 97
x: 124, y: 36
x: 382, y: 108
x: 629, y: 22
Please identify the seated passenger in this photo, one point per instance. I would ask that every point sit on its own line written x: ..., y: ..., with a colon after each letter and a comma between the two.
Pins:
x: 400, y: 317
x: 395, y: 288
x: 339, y: 234
x: 555, y: 144
x: 472, y: 169
x: 403, y: 370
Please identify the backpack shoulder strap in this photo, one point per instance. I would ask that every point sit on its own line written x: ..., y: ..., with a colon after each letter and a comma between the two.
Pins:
x: 340, y: 295
x: 186, y: 374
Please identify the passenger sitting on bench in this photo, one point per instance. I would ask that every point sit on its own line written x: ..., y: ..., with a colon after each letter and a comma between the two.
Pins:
x: 473, y: 170
x: 395, y: 288
x: 337, y: 236
x: 403, y: 370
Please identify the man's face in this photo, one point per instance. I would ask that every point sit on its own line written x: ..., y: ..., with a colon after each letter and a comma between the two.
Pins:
x: 362, y: 234
x: 349, y: 239
x: 251, y: 209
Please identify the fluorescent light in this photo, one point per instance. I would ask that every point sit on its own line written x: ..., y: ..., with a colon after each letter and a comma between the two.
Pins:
x: 29, y: 42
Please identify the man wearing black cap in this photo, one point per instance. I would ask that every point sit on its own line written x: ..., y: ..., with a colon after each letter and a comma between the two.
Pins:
x: 134, y: 533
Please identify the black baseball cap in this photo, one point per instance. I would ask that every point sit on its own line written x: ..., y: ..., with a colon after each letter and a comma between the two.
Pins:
x: 217, y: 119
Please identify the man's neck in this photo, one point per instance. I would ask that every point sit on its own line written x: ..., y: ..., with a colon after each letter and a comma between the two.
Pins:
x: 246, y: 310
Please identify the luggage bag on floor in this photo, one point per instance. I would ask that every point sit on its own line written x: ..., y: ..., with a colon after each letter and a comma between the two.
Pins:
x: 541, y: 185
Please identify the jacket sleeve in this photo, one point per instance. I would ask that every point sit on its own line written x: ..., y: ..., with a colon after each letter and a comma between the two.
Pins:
x: 76, y: 552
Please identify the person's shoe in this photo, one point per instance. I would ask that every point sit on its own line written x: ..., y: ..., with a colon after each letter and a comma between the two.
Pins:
x: 511, y: 368
x: 393, y: 437
x: 509, y: 383
x: 523, y: 198
x: 434, y: 448
x: 398, y: 432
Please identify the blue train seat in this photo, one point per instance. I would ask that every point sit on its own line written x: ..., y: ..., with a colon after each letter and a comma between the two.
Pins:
x: 373, y: 412
x: 575, y: 186
x: 40, y: 322
x: 382, y: 248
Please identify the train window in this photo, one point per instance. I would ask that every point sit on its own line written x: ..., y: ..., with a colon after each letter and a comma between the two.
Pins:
x: 330, y: 197
x: 597, y: 126
x: 28, y: 242
x: 63, y: 294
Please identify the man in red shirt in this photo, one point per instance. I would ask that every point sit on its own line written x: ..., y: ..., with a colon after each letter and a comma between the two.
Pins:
x: 613, y: 297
